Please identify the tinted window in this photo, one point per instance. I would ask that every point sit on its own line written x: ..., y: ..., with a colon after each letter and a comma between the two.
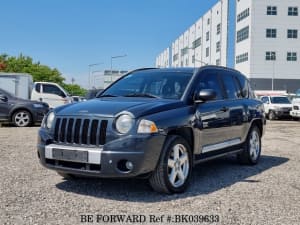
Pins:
x: 230, y: 86
x: 245, y: 86
x: 211, y: 81
x: 38, y: 88
x: 52, y: 89
x: 169, y: 85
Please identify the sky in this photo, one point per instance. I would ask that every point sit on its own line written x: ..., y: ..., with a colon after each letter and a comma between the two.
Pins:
x: 71, y: 34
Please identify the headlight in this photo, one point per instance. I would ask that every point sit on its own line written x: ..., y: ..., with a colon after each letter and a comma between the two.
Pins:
x: 49, y: 120
x: 36, y: 105
x: 124, y: 123
x: 147, y: 127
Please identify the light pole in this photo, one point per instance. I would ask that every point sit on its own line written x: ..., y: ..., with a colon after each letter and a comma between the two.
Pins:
x: 90, y: 66
x: 273, y: 57
x: 111, y: 58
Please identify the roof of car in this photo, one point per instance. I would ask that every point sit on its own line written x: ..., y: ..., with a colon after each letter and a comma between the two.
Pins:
x: 187, y: 69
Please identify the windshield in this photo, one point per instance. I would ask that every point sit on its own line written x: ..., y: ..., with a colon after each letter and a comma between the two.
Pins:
x: 280, y: 100
x: 150, y: 84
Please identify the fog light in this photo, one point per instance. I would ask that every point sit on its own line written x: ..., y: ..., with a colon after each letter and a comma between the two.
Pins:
x: 129, y: 165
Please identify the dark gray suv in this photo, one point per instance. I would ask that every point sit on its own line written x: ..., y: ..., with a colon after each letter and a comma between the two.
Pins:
x: 19, y: 111
x: 156, y: 124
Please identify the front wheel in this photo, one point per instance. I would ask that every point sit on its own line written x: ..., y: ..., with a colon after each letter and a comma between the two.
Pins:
x: 252, y: 148
x: 174, y: 168
x: 272, y: 115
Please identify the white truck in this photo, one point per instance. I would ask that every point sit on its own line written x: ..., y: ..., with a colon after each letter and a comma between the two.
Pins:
x: 18, y: 84
x: 276, y: 107
x: 51, y: 93
x: 295, y: 112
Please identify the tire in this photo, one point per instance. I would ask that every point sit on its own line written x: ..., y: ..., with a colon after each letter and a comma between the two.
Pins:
x: 252, y: 148
x: 173, y: 171
x: 22, y: 118
x: 271, y: 115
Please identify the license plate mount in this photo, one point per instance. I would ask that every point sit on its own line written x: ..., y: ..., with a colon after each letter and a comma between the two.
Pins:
x: 70, y: 155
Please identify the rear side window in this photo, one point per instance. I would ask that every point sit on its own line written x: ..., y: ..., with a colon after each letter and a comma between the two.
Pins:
x: 245, y: 86
x: 211, y: 81
x: 52, y: 89
x: 230, y: 86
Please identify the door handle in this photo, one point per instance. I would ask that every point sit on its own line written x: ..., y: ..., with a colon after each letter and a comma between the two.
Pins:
x: 224, y: 109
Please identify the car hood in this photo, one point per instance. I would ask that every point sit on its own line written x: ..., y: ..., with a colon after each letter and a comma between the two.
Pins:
x: 282, y: 105
x: 110, y: 107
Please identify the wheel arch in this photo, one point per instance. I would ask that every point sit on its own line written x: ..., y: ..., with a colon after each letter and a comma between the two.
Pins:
x: 19, y: 109
x: 186, y: 133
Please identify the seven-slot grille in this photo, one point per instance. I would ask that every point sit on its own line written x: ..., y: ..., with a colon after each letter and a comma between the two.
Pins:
x: 80, y: 131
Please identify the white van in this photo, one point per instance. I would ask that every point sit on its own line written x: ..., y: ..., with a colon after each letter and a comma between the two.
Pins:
x: 51, y: 93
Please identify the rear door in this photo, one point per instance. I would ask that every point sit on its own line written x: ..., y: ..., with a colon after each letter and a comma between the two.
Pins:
x: 234, y: 102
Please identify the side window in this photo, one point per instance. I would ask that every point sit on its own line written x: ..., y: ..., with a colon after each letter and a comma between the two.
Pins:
x: 245, y: 87
x: 211, y: 81
x: 52, y: 89
x: 265, y: 99
x: 230, y: 86
x: 38, y: 88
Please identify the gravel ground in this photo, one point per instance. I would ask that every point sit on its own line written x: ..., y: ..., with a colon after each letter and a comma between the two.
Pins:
x: 268, y: 193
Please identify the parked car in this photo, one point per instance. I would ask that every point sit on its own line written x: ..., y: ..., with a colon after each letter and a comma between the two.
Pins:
x: 19, y: 111
x: 51, y: 93
x: 295, y: 112
x: 78, y: 98
x: 277, y: 107
x: 156, y: 124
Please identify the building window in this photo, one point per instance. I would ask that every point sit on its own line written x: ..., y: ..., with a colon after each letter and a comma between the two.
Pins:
x: 175, y: 57
x: 208, y: 21
x: 243, y: 15
x: 291, y: 56
x: 207, y: 51
x: 271, y: 33
x: 184, y: 51
x: 193, y: 58
x: 241, y: 58
x: 219, y: 28
x: 242, y: 34
x: 292, y: 33
x: 272, y: 10
x: 270, y: 56
x: 293, y: 11
x: 207, y: 36
x: 196, y: 43
x: 218, y: 63
x: 218, y: 46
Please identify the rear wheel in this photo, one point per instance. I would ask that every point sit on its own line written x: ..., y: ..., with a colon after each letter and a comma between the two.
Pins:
x: 173, y: 171
x: 22, y: 118
x: 252, y: 148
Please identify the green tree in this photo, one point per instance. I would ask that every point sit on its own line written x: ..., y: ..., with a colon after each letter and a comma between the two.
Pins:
x: 39, y: 72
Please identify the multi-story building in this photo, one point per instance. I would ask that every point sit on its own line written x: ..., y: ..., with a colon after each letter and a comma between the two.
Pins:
x: 267, y: 43
x: 205, y: 42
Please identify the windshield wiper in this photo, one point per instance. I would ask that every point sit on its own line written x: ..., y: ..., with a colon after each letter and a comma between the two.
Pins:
x: 141, y: 95
x: 108, y: 95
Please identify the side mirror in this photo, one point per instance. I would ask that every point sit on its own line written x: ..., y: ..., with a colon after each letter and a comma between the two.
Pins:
x: 205, y: 95
x: 3, y: 98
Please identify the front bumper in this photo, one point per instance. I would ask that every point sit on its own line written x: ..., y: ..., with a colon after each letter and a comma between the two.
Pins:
x: 108, y: 160
x: 281, y: 113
